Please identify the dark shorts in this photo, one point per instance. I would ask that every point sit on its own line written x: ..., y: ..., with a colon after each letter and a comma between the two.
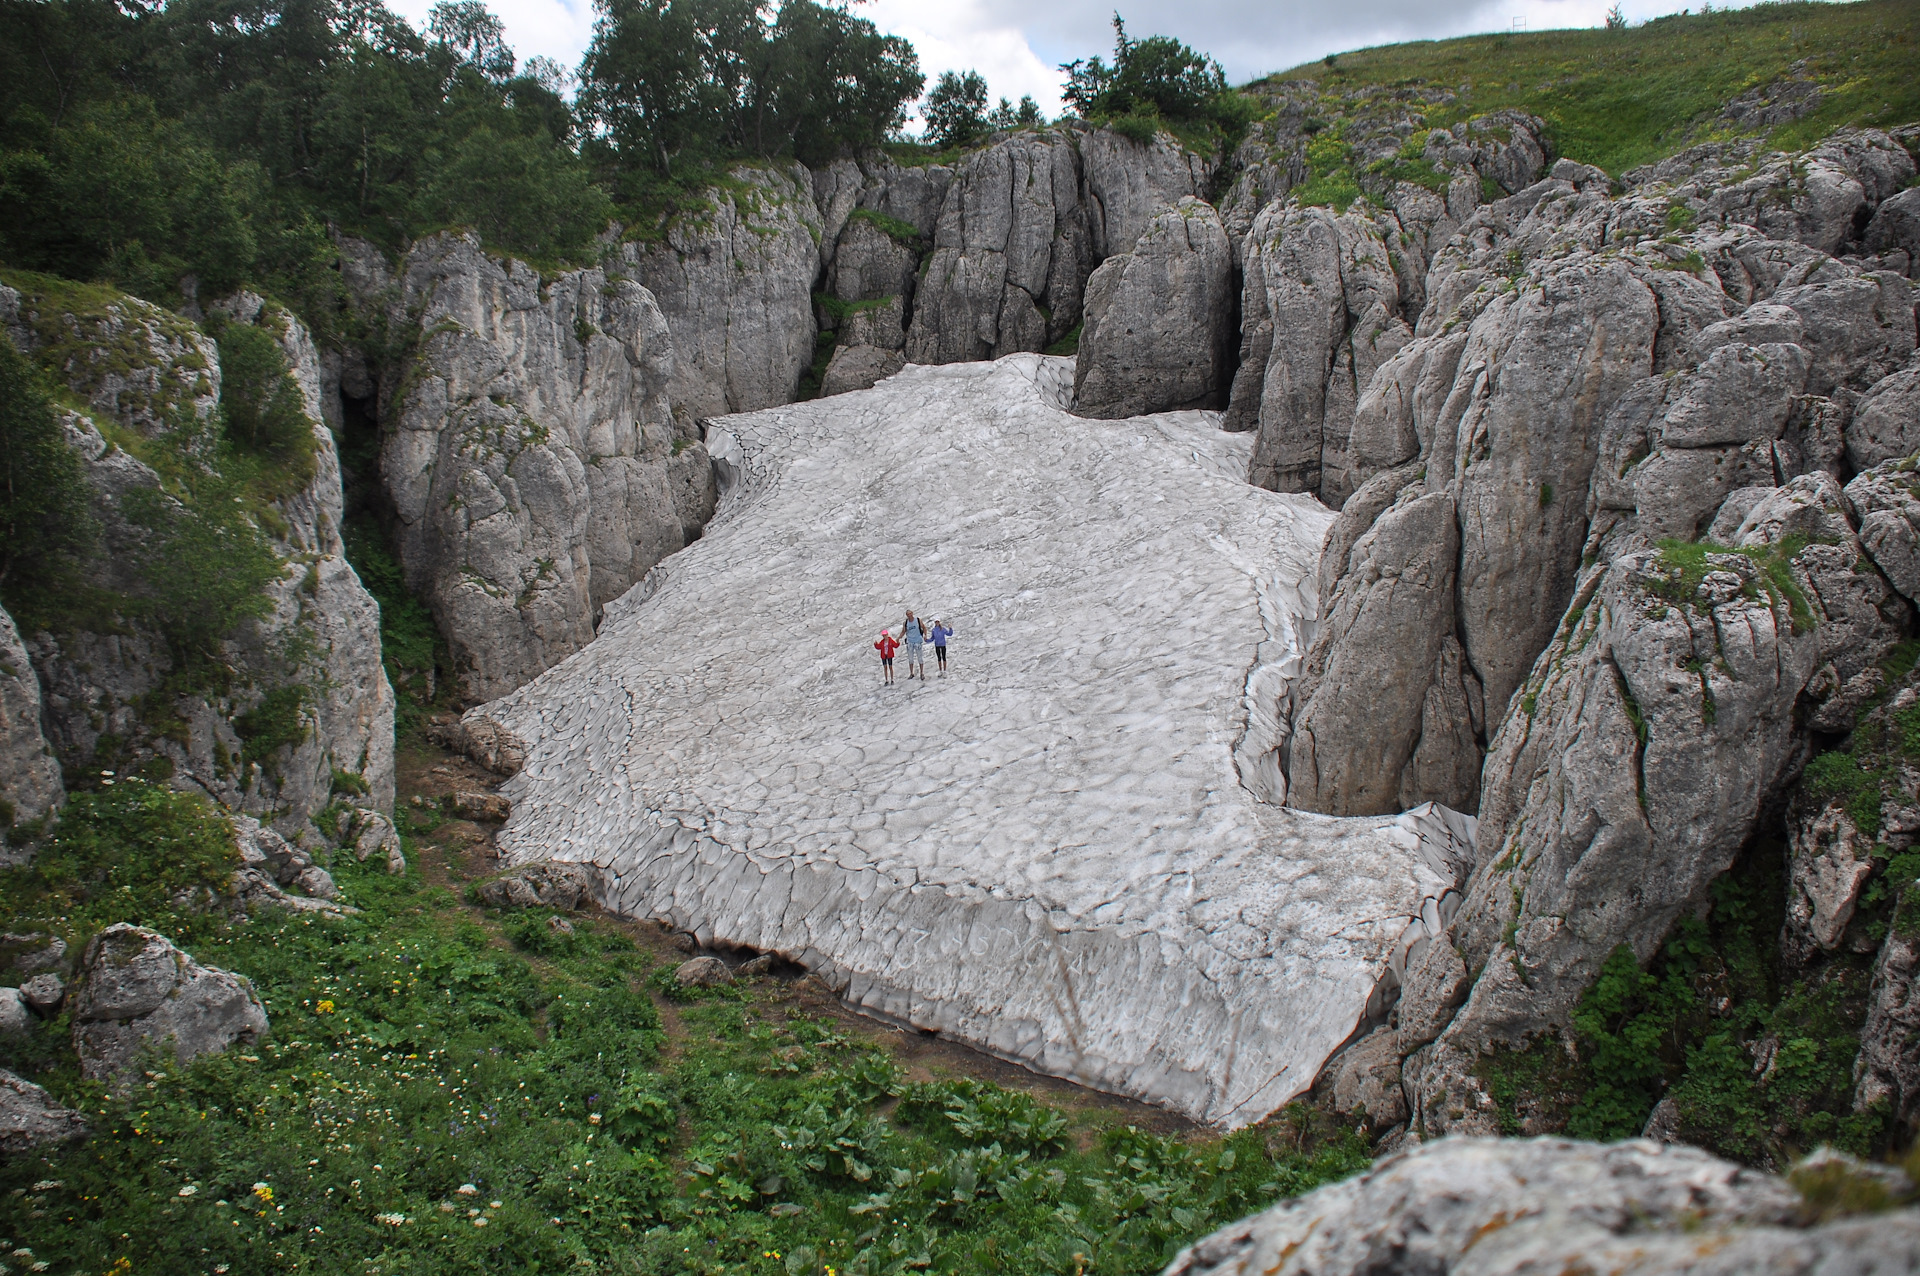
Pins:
x: 887, y: 661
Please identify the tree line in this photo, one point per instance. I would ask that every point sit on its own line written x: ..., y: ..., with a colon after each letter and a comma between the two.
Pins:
x: 217, y: 142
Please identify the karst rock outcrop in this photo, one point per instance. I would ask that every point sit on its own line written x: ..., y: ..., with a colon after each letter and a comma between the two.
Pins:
x: 30, y: 782
x: 1595, y: 576
x: 305, y: 663
x: 1481, y: 1207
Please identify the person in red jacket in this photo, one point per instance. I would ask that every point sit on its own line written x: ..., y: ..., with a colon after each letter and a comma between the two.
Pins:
x: 886, y: 647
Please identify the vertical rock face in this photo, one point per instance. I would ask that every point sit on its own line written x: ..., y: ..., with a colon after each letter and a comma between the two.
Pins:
x: 734, y: 285
x: 1159, y: 320
x: 29, y: 774
x: 1129, y: 183
x: 536, y: 469
x: 1011, y: 253
x: 152, y: 380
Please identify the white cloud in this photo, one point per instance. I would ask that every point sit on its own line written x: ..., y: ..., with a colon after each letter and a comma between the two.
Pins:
x: 557, y: 29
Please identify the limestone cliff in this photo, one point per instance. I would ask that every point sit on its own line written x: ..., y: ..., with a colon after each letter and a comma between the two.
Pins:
x: 269, y: 712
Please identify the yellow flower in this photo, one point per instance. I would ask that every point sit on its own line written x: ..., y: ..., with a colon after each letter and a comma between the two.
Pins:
x: 324, y: 1008
x: 264, y: 1192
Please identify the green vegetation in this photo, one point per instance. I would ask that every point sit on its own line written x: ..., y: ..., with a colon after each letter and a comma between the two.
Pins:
x: 1757, y: 1058
x: 1689, y: 562
x: 45, y: 526
x: 447, y: 1090
x: 956, y: 109
x: 265, y: 423
x: 1620, y: 98
x: 899, y: 231
x: 1154, y: 83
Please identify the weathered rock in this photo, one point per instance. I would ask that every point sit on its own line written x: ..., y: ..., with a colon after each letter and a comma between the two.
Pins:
x: 1644, y: 743
x: 1887, y: 499
x: 1887, y: 1070
x: 1373, y: 665
x: 31, y: 952
x: 1822, y: 198
x: 754, y: 967
x: 1366, y: 1080
x: 536, y: 468
x: 1323, y: 290
x: 800, y: 817
x: 476, y: 804
x: 151, y: 372
x: 137, y: 988
x: 871, y: 266
x: 373, y: 834
x: 558, y: 925
x: 30, y: 1118
x: 702, y: 972
x: 1886, y: 421
x: 1130, y: 183
x: 1445, y: 1207
x: 16, y: 1016
x: 1830, y: 864
x: 1012, y: 238
x: 1858, y: 330
x: 859, y: 368
x: 44, y: 993
x: 1896, y: 227
x: 29, y: 774
x: 543, y: 884
x: 1158, y: 328
x: 733, y: 282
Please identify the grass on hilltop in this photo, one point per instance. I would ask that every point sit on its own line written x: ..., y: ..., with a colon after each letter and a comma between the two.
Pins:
x: 1618, y: 99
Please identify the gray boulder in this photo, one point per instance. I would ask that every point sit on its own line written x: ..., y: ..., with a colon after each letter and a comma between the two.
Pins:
x: 16, y: 1016
x: 30, y: 783
x: 859, y: 368
x: 43, y: 993
x: 536, y: 469
x: 1484, y: 1206
x: 1130, y: 183
x: 1886, y: 421
x: 372, y: 835
x: 1887, y: 500
x: 703, y: 972
x: 137, y: 988
x: 543, y: 884
x: 1895, y: 228
x: 31, y: 1119
x: 1887, y: 1070
x: 1158, y: 325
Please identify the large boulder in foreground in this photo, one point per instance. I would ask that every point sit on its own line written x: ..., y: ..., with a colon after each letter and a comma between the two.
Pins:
x: 1475, y: 1207
x: 139, y: 988
x: 1159, y: 320
x: 31, y: 1118
x: 29, y: 774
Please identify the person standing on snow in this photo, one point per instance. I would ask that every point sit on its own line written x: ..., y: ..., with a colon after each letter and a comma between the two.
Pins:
x: 940, y: 635
x: 913, y: 636
x: 886, y: 647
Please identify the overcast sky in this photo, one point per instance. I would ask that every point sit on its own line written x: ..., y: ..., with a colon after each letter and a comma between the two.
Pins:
x: 1018, y: 44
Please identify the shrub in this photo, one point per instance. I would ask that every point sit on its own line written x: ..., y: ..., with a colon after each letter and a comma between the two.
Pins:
x: 45, y: 526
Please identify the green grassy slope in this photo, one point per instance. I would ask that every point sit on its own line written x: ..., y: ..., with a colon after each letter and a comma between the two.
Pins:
x: 1622, y: 98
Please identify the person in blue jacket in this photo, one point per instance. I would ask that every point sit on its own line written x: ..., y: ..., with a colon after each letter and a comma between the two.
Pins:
x: 940, y: 635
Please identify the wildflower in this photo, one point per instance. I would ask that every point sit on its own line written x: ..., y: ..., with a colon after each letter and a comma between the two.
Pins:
x: 447, y: 1207
x: 47, y: 1185
x: 594, y: 1119
x: 188, y: 1190
x: 494, y: 1205
x: 325, y: 1007
x: 467, y: 1189
x: 41, y: 1265
x: 480, y: 1222
x: 391, y: 1220
x: 264, y: 1192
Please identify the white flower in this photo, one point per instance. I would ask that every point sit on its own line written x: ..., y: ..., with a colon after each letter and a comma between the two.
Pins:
x: 479, y: 1222
x: 47, y: 1185
x: 188, y: 1190
x: 494, y: 1205
x: 467, y: 1189
x: 391, y: 1220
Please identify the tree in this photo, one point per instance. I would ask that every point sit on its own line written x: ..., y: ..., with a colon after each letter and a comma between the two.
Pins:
x: 477, y: 37
x: 956, y: 109
x: 1156, y: 76
x: 44, y: 521
x: 1616, y: 20
x: 1007, y: 116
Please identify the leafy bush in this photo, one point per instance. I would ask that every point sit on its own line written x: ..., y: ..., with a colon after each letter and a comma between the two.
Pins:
x: 956, y: 109
x: 1156, y: 76
x: 265, y: 417
x: 45, y: 525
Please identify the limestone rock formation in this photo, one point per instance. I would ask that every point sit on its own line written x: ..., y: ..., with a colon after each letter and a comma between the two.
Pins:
x: 859, y: 368
x: 30, y: 1118
x: 1158, y: 329
x: 536, y: 470
x: 137, y: 988
x: 1477, y: 1207
x: 543, y: 884
x: 29, y: 774
x: 1127, y: 610
x: 152, y: 378
x: 1010, y: 257
x: 734, y: 286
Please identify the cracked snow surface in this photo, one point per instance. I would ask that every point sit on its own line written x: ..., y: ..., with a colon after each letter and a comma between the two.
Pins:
x: 1068, y: 851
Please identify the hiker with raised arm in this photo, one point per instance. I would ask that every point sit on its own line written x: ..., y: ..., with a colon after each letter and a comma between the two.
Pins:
x: 886, y: 647
x: 913, y: 636
x: 941, y: 632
